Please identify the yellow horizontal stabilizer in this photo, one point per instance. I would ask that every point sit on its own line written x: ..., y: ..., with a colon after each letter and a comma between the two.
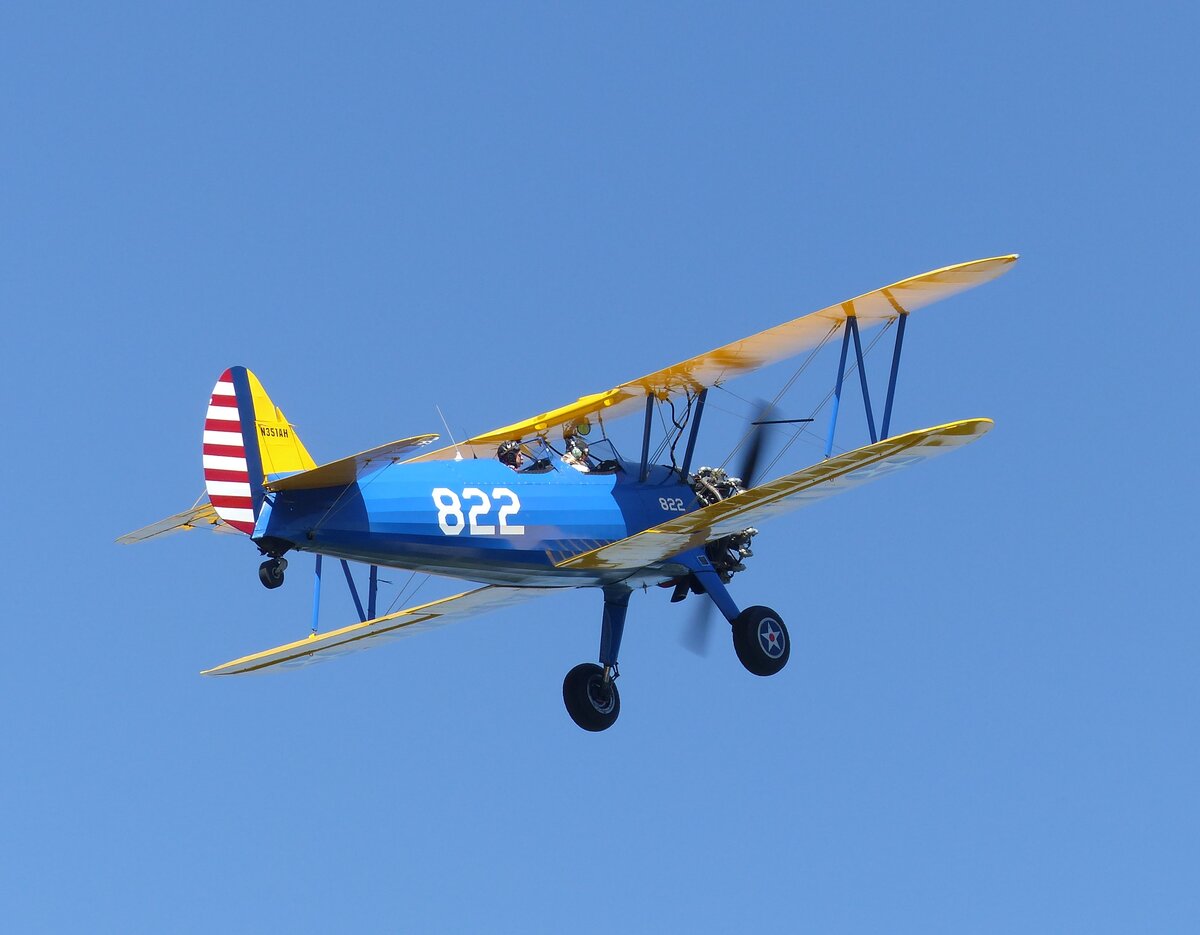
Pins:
x: 748, y: 354
x: 198, y: 517
x: 782, y: 495
x: 345, y: 471
x: 374, y: 632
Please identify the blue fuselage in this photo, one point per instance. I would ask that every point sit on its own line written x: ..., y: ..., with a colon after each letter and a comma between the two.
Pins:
x: 479, y: 519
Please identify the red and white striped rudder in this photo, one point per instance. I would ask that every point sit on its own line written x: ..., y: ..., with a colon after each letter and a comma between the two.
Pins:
x: 226, y: 472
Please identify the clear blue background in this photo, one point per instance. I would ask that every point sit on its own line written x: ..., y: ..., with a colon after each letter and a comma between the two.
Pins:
x: 989, y: 720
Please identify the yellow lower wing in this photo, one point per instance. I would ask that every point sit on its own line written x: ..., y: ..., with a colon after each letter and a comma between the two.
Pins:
x: 374, y: 632
x: 779, y: 496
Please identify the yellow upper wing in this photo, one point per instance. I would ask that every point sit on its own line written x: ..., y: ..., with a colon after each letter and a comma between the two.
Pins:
x: 778, y: 496
x: 748, y: 354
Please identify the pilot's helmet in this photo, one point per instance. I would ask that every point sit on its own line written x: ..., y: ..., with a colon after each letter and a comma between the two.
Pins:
x: 509, y: 453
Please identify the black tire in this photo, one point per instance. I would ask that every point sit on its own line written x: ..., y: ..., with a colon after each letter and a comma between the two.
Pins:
x: 592, y: 705
x: 761, y: 641
x: 270, y: 572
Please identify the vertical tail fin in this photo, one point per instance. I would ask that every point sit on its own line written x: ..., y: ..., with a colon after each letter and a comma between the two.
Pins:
x: 247, y: 439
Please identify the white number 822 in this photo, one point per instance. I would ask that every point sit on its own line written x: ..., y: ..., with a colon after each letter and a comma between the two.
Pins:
x: 450, y: 511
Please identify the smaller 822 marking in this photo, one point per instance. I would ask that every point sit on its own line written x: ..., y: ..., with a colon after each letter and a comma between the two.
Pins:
x: 450, y: 511
x: 671, y: 504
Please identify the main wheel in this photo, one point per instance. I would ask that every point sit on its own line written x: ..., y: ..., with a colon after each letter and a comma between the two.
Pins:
x: 592, y: 704
x: 761, y: 640
x: 270, y: 572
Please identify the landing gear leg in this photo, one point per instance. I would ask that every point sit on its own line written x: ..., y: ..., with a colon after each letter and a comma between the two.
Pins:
x: 590, y: 690
x: 270, y: 572
x: 760, y: 637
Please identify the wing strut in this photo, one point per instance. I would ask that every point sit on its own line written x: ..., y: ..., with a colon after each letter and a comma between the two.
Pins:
x: 646, y: 439
x: 851, y: 330
x: 691, y: 445
x: 372, y: 593
x: 837, y: 391
x: 317, y: 595
x: 891, y: 393
x: 862, y: 378
x: 353, y: 591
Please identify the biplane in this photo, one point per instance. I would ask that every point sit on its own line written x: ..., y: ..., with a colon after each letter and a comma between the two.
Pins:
x: 549, y: 502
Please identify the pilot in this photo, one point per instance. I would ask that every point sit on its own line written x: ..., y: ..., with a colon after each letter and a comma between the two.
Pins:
x: 509, y: 453
x: 576, y: 454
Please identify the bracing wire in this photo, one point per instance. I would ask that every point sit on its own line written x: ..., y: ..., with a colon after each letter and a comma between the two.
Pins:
x: 662, y: 445
x: 400, y: 594
x: 750, y: 430
x: 680, y: 424
x: 803, y: 428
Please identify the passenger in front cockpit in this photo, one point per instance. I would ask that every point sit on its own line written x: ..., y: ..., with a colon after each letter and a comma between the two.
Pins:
x: 577, y: 454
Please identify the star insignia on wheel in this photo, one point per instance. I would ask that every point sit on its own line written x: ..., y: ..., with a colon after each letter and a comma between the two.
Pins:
x: 771, y: 637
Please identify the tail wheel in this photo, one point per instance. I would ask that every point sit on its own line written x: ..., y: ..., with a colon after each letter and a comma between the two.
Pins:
x: 592, y: 703
x: 270, y: 572
x: 761, y: 640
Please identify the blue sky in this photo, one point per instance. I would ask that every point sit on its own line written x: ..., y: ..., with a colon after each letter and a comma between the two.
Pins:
x: 988, y: 721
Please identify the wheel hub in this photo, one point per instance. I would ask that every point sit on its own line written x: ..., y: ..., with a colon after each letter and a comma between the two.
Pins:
x: 771, y: 638
x: 600, y: 695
